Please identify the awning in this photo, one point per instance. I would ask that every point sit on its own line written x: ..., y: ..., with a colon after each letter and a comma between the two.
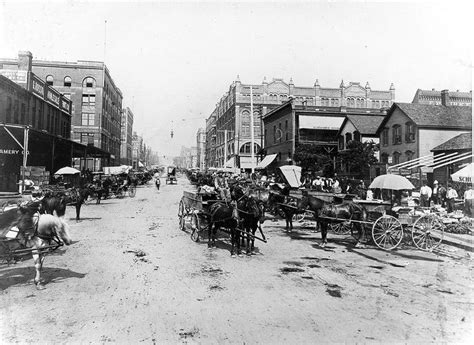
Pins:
x: 266, y: 161
x: 464, y: 175
x: 320, y: 122
x: 230, y: 163
x: 292, y: 175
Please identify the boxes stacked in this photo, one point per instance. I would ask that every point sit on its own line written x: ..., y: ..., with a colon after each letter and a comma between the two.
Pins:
x: 37, y: 174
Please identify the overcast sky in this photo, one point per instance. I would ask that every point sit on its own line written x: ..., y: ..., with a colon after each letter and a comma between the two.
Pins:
x: 174, y: 61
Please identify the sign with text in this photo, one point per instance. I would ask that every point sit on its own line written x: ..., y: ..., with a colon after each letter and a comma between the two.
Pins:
x: 15, y: 75
x: 37, y: 86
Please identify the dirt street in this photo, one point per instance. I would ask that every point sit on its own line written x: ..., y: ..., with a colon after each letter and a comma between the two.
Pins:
x: 131, y: 276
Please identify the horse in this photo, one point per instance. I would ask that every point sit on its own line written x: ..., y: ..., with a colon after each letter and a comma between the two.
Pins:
x: 223, y: 215
x: 251, y: 213
x: 55, y: 203
x: 342, y: 212
x: 36, y: 232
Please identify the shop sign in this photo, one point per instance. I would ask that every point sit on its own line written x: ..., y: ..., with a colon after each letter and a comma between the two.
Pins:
x: 53, y: 97
x: 37, y: 87
x: 15, y: 75
x: 11, y: 152
x: 65, y: 104
x: 405, y: 172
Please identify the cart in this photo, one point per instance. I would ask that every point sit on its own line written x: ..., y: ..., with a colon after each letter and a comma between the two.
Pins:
x: 171, y: 175
x: 387, y: 230
x: 195, y: 210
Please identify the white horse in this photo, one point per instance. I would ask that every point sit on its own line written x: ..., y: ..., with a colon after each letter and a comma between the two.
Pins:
x: 51, y: 231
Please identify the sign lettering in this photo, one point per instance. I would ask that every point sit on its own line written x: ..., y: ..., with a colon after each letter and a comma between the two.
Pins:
x: 38, y: 88
x: 14, y: 75
x: 53, y: 97
x: 9, y: 151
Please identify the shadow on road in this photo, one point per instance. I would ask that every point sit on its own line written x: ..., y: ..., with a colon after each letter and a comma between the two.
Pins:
x: 15, y: 276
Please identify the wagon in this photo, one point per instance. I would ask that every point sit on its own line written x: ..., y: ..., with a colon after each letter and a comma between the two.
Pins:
x: 171, y: 175
x: 387, y: 230
x: 196, y: 211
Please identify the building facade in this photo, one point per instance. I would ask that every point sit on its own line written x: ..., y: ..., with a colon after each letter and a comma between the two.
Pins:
x: 201, y: 148
x: 35, y: 113
x: 433, y: 97
x: 294, y: 123
x: 232, y: 113
x: 126, y: 137
x: 138, y: 151
x: 411, y: 130
x: 97, y: 103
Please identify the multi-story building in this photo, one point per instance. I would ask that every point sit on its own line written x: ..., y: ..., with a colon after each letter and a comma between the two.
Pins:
x: 210, y: 150
x: 411, y: 130
x: 97, y: 103
x: 34, y: 113
x: 138, y: 151
x: 126, y: 137
x: 433, y: 97
x: 232, y: 113
x: 201, y: 148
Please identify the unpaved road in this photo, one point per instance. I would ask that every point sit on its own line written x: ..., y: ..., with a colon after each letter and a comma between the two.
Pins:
x: 101, y: 290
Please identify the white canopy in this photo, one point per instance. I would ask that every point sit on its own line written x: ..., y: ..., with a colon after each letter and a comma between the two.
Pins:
x: 67, y: 171
x: 266, y: 161
x: 464, y: 175
x: 292, y: 174
x: 321, y: 122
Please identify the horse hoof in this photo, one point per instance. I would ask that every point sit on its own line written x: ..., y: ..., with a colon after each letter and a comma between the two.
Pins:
x: 40, y: 286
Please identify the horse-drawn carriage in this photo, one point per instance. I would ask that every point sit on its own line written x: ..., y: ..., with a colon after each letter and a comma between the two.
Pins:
x: 171, y: 175
x: 206, y: 211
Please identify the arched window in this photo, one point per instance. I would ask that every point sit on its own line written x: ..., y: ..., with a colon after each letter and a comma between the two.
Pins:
x: 351, y: 102
x: 88, y: 82
x: 245, y: 148
x: 409, y: 155
x: 348, y: 137
x: 396, y: 157
x: 67, y: 81
x: 396, y: 134
x: 49, y: 80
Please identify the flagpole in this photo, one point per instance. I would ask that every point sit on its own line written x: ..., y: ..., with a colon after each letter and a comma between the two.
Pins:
x: 252, y: 149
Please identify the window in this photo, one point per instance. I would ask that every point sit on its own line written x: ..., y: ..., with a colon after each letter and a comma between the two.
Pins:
x: 67, y: 81
x: 341, y: 142
x: 385, y: 137
x: 409, y: 155
x: 87, y: 138
x: 348, y: 137
x: 246, y: 148
x: 396, y: 157
x: 410, y: 132
x: 87, y: 119
x: 274, y: 134
x: 396, y: 134
x: 287, y: 134
x: 357, y: 136
x: 384, y: 158
x: 88, y: 99
x: 49, y: 80
x: 88, y: 82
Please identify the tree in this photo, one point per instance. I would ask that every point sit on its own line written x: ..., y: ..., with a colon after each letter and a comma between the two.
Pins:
x: 313, y: 157
x: 358, y: 157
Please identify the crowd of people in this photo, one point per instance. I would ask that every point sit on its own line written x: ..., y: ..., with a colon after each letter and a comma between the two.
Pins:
x: 446, y: 197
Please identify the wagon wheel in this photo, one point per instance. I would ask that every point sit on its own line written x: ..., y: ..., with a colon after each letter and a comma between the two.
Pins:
x: 181, y: 215
x: 387, y: 232
x: 195, y: 227
x: 132, y: 191
x: 298, y: 217
x: 427, y: 232
x: 341, y: 228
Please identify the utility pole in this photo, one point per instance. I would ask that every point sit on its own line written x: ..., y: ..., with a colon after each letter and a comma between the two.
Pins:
x: 252, y: 148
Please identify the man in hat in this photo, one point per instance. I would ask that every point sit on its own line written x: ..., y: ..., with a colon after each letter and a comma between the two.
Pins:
x: 435, y: 196
x: 451, y: 196
x: 220, y: 183
x: 425, y: 195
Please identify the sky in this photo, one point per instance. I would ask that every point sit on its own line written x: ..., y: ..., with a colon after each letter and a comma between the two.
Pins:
x: 174, y: 61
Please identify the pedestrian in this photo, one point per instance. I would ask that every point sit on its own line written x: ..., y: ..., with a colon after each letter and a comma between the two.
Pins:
x: 425, y: 195
x: 442, y: 195
x: 451, y: 196
x: 468, y: 202
x: 435, y: 195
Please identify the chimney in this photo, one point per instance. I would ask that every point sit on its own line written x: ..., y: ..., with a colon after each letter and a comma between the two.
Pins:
x: 24, y: 61
x: 445, y: 97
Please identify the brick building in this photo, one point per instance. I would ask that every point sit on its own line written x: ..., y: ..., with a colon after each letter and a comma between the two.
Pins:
x: 294, y: 123
x: 232, y: 113
x: 201, y: 148
x: 97, y: 103
x: 126, y: 137
x: 433, y: 97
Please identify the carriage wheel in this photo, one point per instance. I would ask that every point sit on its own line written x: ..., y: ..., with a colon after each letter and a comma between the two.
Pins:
x: 298, y: 217
x: 195, y: 227
x: 132, y: 191
x: 341, y: 228
x: 181, y: 215
x: 387, y: 232
x: 427, y: 232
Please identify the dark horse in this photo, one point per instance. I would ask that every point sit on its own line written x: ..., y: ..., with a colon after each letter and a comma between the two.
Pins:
x: 55, y: 202
x: 222, y: 214
x: 347, y: 211
x: 251, y: 212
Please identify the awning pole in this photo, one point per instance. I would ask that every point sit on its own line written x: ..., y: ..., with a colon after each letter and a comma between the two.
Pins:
x: 252, y: 148
x: 25, y: 156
